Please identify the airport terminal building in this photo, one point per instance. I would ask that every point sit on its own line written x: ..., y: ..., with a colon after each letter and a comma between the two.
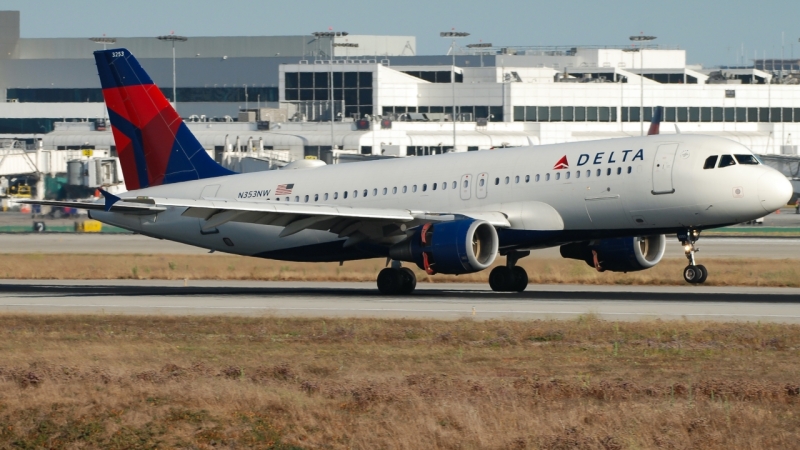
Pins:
x: 260, y: 102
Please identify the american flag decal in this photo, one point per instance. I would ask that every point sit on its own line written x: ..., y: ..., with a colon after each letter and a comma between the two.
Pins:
x: 284, y: 189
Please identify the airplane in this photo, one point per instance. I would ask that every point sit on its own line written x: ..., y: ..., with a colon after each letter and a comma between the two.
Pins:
x: 606, y: 202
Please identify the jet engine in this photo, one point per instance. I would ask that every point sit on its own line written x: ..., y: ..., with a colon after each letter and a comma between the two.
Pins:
x: 627, y: 254
x: 456, y: 247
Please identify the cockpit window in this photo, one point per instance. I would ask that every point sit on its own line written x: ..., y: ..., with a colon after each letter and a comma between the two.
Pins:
x: 711, y: 161
x: 746, y: 159
x: 726, y: 160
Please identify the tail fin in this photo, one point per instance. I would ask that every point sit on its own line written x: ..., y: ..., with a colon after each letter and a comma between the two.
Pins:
x: 655, y: 124
x: 154, y: 146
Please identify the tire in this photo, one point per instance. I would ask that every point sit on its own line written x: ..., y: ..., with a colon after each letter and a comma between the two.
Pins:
x: 703, y: 274
x: 409, y: 280
x: 389, y: 281
x: 500, y: 279
x: 692, y: 273
x: 520, y: 279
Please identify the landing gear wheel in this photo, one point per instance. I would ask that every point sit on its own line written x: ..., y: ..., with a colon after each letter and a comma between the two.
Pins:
x: 704, y: 274
x: 695, y: 274
x: 390, y: 281
x: 409, y: 280
x: 500, y: 278
x: 520, y: 279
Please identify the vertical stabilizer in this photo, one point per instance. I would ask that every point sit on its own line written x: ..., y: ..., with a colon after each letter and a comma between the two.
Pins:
x: 154, y: 145
x: 655, y: 124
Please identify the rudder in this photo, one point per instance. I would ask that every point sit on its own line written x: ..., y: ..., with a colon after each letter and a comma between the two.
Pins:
x: 154, y: 145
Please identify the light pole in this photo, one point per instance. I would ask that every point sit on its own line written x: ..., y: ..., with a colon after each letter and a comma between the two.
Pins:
x: 641, y: 38
x: 173, y: 38
x: 453, y: 35
x: 331, y: 35
x: 480, y: 45
x: 103, y: 40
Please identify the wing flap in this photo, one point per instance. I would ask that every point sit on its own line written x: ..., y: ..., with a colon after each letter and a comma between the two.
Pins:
x: 119, y: 207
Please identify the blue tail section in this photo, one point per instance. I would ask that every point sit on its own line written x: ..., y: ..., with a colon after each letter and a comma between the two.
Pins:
x: 655, y: 124
x: 154, y: 145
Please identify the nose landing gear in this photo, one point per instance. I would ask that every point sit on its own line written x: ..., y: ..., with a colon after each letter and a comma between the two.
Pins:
x: 693, y: 273
x: 509, y: 278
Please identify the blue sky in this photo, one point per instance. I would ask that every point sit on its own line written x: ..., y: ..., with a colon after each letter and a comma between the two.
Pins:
x: 712, y: 32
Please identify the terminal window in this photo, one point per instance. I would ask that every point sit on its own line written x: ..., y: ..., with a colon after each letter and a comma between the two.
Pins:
x: 354, y: 88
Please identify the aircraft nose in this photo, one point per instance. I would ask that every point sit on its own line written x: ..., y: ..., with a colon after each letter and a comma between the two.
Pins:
x: 774, y: 190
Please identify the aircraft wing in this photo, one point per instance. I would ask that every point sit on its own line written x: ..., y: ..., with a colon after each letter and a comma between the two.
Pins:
x: 356, y: 223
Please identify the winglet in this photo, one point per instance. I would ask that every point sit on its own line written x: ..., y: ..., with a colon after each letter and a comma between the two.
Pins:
x: 109, y: 198
x: 658, y: 113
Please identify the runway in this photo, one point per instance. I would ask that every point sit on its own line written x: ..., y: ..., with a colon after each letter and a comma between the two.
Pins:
x: 437, y: 301
x: 710, y: 247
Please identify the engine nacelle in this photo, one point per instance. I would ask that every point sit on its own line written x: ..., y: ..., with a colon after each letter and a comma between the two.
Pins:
x: 620, y: 254
x: 456, y: 247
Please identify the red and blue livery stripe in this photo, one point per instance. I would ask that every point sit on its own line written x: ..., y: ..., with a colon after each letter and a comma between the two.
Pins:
x: 154, y: 145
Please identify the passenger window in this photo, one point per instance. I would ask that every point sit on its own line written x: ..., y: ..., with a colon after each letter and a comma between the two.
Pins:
x: 414, y: 188
x: 547, y: 177
x: 516, y: 179
x: 365, y: 192
x: 537, y: 177
x: 444, y: 185
x: 466, y: 184
x: 297, y: 198
x: 726, y: 160
x: 355, y: 194
x: 385, y: 191
x: 344, y: 194
x: 335, y: 195
x: 286, y: 199
x: 527, y: 178
x: 481, y: 182
x: 711, y: 162
x: 306, y: 199
x: 496, y: 181
x: 578, y: 174
x: 375, y: 191
x: 599, y: 172
x: 507, y: 179
x: 629, y: 169
x: 316, y: 197
x: 619, y: 170
x: 746, y: 159
x: 455, y: 184
x: 326, y: 197
x: 433, y: 188
x: 558, y: 175
x: 405, y: 189
x: 424, y: 187
x: 567, y: 175
x: 608, y: 171
x: 588, y: 173
x: 394, y: 190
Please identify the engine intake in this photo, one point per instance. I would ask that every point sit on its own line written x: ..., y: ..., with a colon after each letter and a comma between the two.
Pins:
x: 456, y: 247
x: 620, y: 254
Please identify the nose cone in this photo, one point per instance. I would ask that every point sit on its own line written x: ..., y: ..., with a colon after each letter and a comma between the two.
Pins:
x: 774, y: 190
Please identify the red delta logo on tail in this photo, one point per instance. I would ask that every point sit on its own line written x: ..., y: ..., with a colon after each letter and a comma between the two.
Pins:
x: 562, y: 164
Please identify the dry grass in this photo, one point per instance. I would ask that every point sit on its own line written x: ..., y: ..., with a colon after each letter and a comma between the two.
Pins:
x: 202, y: 382
x: 724, y: 272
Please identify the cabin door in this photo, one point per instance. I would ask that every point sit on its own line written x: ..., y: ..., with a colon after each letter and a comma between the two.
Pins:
x: 662, y: 169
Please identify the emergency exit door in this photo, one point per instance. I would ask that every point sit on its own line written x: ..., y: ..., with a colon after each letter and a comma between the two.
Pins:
x: 662, y: 169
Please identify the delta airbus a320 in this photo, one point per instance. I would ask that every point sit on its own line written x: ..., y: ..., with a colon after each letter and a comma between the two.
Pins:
x: 608, y: 203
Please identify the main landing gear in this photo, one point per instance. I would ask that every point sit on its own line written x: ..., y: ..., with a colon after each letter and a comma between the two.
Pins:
x: 396, y: 280
x: 693, y: 273
x: 509, y: 278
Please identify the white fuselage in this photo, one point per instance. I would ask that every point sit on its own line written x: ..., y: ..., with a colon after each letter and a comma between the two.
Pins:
x: 619, y: 187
